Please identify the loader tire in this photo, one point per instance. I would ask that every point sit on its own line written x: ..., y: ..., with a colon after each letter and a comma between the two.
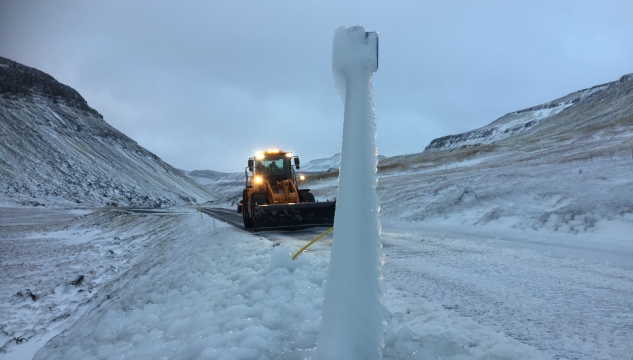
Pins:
x: 306, y: 197
x: 256, y: 199
x: 248, y: 221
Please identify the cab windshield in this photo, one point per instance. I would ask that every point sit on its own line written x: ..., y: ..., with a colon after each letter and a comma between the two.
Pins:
x: 275, y: 167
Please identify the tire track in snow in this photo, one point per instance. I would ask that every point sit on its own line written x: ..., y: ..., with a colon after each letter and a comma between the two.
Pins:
x: 568, y: 308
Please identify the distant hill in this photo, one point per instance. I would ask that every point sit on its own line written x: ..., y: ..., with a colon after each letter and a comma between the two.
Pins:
x: 226, y: 184
x: 578, y: 109
x: 57, y: 150
x: 322, y: 165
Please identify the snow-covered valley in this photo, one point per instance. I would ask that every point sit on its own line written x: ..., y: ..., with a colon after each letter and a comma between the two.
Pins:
x: 516, y: 248
x: 486, y: 261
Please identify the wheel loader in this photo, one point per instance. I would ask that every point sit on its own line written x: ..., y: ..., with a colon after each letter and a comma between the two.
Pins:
x: 272, y: 200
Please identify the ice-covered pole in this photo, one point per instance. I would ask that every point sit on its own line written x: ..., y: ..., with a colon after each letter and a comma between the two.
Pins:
x: 353, y: 321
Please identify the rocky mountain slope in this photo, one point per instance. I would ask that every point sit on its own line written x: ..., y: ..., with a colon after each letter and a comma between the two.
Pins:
x: 57, y: 150
x: 581, y: 107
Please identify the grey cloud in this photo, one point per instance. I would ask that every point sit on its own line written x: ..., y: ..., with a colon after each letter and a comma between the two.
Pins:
x: 204, y: 84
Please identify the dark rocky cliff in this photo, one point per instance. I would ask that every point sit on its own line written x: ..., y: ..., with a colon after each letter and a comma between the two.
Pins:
x: 17, y: 80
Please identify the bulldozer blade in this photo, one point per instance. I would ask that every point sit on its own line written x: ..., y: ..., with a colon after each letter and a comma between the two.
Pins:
x: 294, y: 216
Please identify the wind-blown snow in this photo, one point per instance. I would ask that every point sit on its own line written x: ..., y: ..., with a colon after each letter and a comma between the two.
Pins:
x: 353, y: 315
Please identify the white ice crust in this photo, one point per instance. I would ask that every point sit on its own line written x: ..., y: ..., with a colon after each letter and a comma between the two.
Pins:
x: 353, y: 312
x: 354, y: 51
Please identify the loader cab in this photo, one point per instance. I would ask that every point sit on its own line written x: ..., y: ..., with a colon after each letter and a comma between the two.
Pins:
x: 274, y: 168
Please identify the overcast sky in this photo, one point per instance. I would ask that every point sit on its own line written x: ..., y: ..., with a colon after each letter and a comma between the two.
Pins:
x: 204, y: 84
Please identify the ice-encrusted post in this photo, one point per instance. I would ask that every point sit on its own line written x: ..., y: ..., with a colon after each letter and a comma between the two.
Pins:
x: 353, y: 320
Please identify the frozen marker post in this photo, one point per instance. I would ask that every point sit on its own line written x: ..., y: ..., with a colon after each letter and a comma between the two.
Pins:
x: 353, y: 321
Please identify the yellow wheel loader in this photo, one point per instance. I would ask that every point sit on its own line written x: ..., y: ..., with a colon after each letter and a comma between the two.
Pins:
x: 272, y: 200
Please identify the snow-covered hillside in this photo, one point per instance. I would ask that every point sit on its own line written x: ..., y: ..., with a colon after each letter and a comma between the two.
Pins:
x: 55, y: 149
x: 573, y: 106
x: 565, y: 174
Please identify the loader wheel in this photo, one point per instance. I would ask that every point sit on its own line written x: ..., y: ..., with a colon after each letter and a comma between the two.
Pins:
x: 306, y: 197
x: 256, y: 199
x: 248, y: 222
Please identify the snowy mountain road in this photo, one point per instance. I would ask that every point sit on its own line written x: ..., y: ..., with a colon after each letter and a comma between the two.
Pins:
x: 230, y: 216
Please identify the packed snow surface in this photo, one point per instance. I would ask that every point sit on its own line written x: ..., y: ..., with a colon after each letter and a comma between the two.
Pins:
x: 187, y: 286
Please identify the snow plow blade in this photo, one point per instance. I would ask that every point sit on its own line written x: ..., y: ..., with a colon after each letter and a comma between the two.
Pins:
x: 294, y: 216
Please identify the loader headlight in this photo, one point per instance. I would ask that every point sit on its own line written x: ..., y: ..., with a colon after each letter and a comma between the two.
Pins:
x: 302, y: 177
x: 258, y: 179
x: 259, y: 155
x: 289, y: 154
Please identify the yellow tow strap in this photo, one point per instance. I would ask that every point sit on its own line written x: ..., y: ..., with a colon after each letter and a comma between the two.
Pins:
x: 311, y: 242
